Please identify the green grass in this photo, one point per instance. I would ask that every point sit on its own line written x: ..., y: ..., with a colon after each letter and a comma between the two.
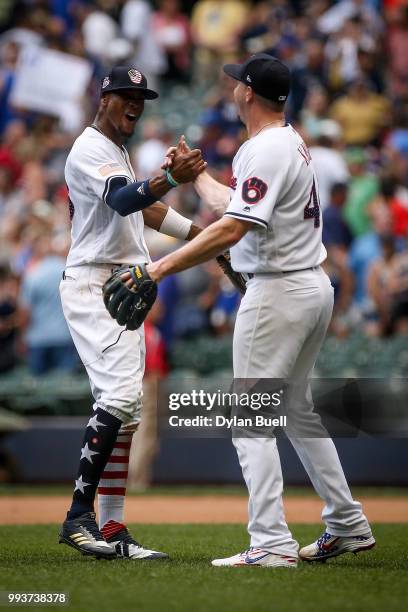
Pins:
x: 31, y: 560
x: 196, y: 490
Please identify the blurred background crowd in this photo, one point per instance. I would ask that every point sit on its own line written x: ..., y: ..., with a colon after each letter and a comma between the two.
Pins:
x: 349, y: 100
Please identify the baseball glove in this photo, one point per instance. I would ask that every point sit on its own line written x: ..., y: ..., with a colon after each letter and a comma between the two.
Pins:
x: 129, y: 305
x: 224, y: 261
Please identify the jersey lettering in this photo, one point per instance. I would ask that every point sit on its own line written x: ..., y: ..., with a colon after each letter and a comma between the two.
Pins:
x: 71, y: 208
x: 253, y: 190
x: 304, y: 151
x: 312, y: 208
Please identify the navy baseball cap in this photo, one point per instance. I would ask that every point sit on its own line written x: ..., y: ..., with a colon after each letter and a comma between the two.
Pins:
x: 127, y: 77
x: 266, y: 74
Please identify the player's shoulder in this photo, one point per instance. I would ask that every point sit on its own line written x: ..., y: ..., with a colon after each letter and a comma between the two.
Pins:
x: 268, y: 146
x: 90, y: 146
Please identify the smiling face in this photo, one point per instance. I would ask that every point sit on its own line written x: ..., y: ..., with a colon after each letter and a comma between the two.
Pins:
x: 121, y: 111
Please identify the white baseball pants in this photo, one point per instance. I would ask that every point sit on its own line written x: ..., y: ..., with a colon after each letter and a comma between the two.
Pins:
x: 115, y: 374
x: 279, y: 330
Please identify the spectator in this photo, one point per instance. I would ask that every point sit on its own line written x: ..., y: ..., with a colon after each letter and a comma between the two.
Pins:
x: 136, y: 25
x: 394, y: 197
x: 314, y: 113
x: 341, y: 277
x: 49, y: 343
x: 148, y: 156
x: 365, y: 249
x: 222, y: 125
x: 9, y: 319
x: 361, y: 113
x: 172, y: 32
x: 398, y: 52
x: 99, y: 30
x: 378, y: 279
x: 342, y: 51
x: 398, y: 290
x: 328, y: 161
x: 335, y: 230
x: 334, y: 18
x: 310, y: 71
x: 363, y: 187
x: 215, y: 28
x: 9, y: 55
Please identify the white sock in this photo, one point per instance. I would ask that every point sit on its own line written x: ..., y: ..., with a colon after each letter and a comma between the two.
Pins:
x: 112, y: 485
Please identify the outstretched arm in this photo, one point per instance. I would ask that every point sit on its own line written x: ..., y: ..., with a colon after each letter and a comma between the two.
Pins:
x: 215, y: 195
x: 213, y: 240
x: 168, y: 221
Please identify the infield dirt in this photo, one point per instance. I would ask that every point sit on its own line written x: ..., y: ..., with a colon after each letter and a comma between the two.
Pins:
x: 156, y: 509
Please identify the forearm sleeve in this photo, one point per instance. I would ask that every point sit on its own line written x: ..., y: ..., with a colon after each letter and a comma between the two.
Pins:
x: 127, y: 198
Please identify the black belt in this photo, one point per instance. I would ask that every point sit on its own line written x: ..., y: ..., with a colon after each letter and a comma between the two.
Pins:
x: 251, y: 274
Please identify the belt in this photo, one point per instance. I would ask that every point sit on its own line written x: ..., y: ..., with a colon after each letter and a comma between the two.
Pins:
x: 114, y: 267
x: 279, y: 274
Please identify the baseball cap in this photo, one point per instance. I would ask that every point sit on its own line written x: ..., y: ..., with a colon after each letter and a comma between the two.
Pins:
x: 127, y: 77
x: 266, y: 74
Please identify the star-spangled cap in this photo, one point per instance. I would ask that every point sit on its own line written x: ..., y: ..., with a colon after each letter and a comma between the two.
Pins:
x: 127, y: 77
x: 266, y: 74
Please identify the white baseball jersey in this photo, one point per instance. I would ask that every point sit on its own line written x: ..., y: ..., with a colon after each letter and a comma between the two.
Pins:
x: 275, y: 187
x: 99, y: 234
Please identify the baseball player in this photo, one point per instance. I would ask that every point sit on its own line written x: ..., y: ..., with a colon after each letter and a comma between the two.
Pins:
x: 272, y: 221
x: 106, y: 207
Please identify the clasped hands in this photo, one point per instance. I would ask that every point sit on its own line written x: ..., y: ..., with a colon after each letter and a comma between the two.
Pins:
x: 183, y: 163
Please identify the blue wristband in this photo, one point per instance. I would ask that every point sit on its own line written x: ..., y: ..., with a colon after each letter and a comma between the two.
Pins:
x: 170, y: 179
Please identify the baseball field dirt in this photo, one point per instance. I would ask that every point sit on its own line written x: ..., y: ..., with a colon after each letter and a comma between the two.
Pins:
x: 177, y: 509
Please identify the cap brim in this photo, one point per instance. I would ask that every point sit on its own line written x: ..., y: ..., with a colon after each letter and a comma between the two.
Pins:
x: 234, y: 71
x: 148, y: 94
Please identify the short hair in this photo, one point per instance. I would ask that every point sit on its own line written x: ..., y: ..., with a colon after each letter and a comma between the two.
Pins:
x: 338, y: 188
x: 277, y: 107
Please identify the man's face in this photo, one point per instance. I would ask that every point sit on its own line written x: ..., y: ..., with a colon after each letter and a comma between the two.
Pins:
x: 124, y: 108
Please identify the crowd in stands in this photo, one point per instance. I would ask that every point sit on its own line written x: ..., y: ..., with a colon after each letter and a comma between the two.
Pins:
x: 349, y: 101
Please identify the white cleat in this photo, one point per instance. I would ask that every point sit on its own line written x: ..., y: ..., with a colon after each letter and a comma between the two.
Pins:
x: 256, y: 557
x: 328, y: 546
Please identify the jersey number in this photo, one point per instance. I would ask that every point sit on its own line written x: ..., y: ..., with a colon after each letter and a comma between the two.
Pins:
x: 312, y: 208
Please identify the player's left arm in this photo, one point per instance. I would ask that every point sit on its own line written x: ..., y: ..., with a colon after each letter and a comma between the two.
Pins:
x: 168, y: 221
x: 212, y: 241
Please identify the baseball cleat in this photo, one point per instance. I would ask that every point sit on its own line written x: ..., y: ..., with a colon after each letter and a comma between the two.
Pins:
x: 82, y: 533
x: 328, y: 546
x: 256, y: 557
x: 127, y: 547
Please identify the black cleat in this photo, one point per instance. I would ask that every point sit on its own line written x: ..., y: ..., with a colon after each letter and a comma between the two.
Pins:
x: 82, y: 533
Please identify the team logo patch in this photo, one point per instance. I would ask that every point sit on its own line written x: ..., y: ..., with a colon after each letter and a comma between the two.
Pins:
x: 135, y: 76
x: 105, y: 82
x: 253, y: 190
x: 233, y: 182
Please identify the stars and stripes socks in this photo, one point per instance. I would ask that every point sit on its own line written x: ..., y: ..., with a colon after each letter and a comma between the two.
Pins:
x: 112, y: 485
x: 100, y: 437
